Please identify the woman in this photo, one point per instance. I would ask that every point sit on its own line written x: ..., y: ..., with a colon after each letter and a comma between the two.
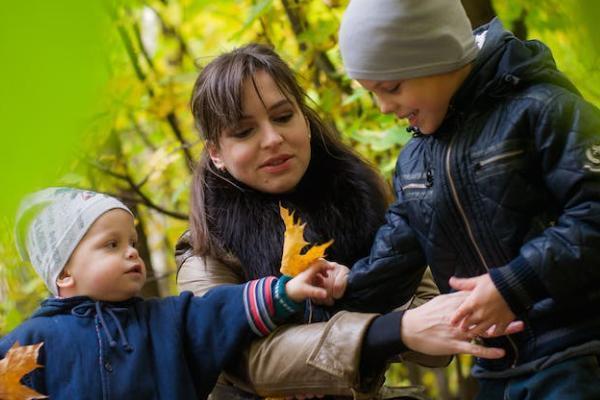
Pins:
x: 265, y: 147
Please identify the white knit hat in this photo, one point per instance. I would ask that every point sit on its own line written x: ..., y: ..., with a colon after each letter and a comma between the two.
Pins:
x: 402, y: 39
x: 52, y: 222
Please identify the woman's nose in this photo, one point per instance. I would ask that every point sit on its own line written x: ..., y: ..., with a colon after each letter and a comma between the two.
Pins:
x: 271, y: 136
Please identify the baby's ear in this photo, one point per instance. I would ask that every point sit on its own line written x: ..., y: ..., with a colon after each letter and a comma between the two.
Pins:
x: 65, y: 280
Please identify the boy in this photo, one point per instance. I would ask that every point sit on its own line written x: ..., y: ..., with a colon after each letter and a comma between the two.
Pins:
x: 100, y: 341
x: 498, y: 191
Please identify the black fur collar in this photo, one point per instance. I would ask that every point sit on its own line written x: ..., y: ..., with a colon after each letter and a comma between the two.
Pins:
x: 338, y: 198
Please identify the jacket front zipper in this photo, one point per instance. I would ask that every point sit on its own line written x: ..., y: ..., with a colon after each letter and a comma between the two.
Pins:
x: 468, y: 225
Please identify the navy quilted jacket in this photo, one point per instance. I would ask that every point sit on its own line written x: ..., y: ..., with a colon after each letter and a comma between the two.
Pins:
x: 509, y: 184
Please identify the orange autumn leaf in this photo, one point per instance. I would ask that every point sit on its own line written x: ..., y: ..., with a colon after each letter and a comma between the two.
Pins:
x: 292, y: 262
x: 19, y: 361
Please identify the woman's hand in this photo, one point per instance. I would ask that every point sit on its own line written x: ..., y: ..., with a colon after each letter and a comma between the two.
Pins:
x: 427, y: 329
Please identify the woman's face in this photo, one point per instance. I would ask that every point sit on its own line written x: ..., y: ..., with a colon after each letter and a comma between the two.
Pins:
x: 269, y: 148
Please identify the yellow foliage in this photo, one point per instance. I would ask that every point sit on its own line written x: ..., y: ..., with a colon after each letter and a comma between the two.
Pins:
x: 19, y: 361
x: 292, y: 261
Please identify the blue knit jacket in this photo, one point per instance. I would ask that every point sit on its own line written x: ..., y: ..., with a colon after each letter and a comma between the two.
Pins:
x: 172, y: 348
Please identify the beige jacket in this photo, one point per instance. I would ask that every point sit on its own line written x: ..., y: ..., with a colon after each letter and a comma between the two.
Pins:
x: 314, y: 358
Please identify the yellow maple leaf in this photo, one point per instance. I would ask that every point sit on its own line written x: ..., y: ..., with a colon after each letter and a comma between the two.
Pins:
x: 292, y: 262
x: 18, y: 362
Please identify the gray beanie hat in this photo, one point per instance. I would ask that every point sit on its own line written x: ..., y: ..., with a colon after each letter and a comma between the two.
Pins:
x: 402, y: 39
x: 52, y: 222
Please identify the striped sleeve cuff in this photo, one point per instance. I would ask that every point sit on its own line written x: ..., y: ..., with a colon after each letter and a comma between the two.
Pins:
x: 519, y: 285
x: 266, y: 302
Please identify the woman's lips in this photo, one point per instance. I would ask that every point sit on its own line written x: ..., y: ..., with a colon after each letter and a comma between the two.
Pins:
x: 277, y: 164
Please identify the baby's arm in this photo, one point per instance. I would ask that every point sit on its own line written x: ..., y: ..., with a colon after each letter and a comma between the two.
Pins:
x: 484, y: 309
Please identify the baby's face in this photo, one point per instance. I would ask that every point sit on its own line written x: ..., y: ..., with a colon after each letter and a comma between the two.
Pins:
x: 106, y: 264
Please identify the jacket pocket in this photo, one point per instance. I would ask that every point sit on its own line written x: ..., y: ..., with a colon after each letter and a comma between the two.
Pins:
x: 499, y: 163
x: 417, y: 191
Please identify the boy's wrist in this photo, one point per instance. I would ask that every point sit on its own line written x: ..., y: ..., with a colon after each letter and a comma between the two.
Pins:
x: 519, y: 285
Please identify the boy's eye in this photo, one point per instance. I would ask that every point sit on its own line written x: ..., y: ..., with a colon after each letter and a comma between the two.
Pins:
x: 393, y: 89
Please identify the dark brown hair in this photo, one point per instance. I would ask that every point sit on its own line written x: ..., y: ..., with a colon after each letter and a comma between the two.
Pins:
x: 216, y: 105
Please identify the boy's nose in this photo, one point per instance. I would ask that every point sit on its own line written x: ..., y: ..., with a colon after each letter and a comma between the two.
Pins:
x: 386, y: 107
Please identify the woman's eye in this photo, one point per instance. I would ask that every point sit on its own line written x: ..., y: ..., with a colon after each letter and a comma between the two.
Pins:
x: 283, y: 118
x: 242, y: 133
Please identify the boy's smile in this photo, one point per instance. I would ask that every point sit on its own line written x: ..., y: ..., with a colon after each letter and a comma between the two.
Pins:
x: 423, y: 101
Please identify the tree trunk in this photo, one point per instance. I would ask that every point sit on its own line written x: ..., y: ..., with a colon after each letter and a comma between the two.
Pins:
x: 479, y: 11
x: 150, y: 289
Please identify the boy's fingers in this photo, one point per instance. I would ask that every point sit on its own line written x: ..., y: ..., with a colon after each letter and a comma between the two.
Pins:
x: 483, y: 328
x: 460, y: 315
x: 514, y: 327
x: 463, y: 313
x: 479, y: 351
x: 462, y: 283
x: 498, y: 329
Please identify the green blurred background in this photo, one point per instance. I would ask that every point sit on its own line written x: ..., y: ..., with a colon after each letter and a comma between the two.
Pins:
x: 94, y: 94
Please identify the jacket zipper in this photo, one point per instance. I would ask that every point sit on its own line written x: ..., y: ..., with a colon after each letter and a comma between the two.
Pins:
x: 415, y: 186
x: 500, y: 157
x: 468, y: 225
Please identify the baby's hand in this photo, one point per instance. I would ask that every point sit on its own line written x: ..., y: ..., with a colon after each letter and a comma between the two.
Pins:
x: 334, y: 282
x: 310, y: 283
x: 484, y: 312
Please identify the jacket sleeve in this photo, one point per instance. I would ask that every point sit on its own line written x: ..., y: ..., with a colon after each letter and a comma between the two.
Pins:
x: 563, y: 261
x: 389, y: 276
x: 325, y: 356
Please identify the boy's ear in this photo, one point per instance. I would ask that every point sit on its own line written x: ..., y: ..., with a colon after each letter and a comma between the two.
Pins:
x: 215, y: 155
x: 65, y: 280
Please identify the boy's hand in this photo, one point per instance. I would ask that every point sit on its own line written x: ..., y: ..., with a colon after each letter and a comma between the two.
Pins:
x: 427, y: 329
x: 335, y: 282
x: 310, y: 283
x: 484, y: 312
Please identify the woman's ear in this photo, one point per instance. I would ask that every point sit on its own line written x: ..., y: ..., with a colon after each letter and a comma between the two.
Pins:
x: 215, y: 155
x: 307, y: 125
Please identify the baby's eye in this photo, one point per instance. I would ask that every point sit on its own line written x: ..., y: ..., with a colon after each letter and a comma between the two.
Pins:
x: 112, y: 244
x: 133, y: 243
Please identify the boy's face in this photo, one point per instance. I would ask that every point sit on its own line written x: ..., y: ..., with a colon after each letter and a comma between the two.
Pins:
x: 423, y: 101
x: 105, y: 264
